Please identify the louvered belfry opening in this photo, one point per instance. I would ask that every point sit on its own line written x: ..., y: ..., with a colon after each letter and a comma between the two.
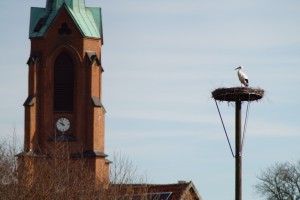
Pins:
x: 63, y: 83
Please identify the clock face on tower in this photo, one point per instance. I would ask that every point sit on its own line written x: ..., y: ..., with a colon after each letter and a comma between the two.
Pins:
x: 63, y: 124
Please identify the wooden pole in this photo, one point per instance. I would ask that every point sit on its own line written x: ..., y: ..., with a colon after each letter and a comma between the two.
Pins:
x: 238, y: 153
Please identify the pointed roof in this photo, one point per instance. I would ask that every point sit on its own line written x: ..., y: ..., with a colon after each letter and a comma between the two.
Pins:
x: 177, y: 191
x: 88, y: 20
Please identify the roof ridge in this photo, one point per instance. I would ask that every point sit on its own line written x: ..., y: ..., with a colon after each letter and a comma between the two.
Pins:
x: 178, y: 183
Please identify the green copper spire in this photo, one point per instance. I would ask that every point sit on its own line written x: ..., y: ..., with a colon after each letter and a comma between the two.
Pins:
x: 88, y: 20
x: 53, y: 5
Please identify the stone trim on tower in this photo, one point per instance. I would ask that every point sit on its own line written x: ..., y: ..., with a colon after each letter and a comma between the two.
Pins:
x: 29, y: 101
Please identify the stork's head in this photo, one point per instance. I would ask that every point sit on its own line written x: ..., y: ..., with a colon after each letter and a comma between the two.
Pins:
x: 239, y: 67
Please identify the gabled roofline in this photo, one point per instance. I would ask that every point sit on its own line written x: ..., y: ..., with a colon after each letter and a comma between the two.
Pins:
x: 92, y: 57
x: 51, y: 22
x: 88, y: 21
x: 189, y: 187
x: 181, y: 188
x: 74, y: 20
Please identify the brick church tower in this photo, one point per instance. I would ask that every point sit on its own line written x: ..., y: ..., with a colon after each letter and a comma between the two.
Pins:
x: 64, y: 107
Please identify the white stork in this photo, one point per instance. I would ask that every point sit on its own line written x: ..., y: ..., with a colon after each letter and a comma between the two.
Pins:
x: 243, y: 77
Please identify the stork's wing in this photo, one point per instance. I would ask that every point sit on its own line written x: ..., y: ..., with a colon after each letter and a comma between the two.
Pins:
x: 244, y: 75
x: 246, y: 82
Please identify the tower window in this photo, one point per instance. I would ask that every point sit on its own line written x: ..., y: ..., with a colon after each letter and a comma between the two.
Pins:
x: 63, y: 83
x: 64, y: 29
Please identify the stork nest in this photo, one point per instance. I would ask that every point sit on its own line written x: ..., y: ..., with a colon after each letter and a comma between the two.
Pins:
x: 238, y: 94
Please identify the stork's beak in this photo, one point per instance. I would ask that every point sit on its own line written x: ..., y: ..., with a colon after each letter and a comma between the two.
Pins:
x: 237, y: 68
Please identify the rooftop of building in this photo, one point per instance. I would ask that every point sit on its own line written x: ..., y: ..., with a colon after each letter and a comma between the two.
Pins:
x: 87, y: 19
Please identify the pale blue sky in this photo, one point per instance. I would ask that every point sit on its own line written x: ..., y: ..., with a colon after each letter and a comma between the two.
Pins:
x: 162, y: 59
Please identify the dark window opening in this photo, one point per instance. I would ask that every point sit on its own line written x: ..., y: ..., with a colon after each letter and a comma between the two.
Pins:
x: 63, y: 83
x: 64, y: 29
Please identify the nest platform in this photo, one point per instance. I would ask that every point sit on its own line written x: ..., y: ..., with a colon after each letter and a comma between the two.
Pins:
x: 238, y: 94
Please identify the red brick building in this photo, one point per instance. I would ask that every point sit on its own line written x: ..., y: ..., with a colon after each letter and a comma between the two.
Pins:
x: 177, y: 191
x: 64, y: 105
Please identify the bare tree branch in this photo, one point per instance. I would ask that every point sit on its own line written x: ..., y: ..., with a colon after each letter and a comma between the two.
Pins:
x: 280, y: 182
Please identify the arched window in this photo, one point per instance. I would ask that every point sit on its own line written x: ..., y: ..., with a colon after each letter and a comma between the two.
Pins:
x: 63, y: 83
